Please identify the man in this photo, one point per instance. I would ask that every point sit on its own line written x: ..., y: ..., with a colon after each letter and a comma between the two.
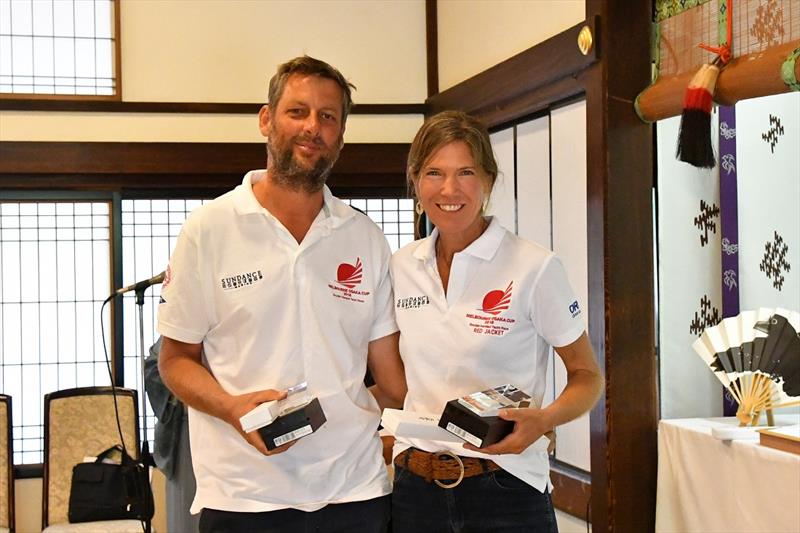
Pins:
x: 275, y: 283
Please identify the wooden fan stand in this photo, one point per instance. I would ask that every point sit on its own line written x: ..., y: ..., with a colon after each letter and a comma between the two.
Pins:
x: 755, y: 418
x: 756, y: 394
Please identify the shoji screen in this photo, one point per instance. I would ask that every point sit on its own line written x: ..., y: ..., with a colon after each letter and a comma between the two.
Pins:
x: 568, y: 171
x: 544, y: 166
x: 502, y: 203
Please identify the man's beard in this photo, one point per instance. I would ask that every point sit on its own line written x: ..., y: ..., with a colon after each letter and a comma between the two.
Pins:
x: 290, y: 173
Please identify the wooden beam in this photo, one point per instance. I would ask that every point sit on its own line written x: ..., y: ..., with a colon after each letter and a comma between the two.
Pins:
x: 10, y: 102
x: 495, y: 95
x: 113, y: 166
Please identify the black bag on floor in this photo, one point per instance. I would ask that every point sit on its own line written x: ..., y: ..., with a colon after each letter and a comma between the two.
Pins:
x: 110, y: 491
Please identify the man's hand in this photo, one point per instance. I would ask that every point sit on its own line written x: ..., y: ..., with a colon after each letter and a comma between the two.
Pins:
x: 243, y: 404
x: 530, y: 424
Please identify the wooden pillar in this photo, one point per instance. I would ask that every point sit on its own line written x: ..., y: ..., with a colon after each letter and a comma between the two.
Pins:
x: 621, y: 256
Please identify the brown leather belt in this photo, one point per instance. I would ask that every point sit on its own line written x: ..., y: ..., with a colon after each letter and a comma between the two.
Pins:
x: 444, y: 465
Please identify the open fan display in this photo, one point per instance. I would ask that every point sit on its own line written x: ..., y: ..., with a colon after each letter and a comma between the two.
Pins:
x: 756, y: 357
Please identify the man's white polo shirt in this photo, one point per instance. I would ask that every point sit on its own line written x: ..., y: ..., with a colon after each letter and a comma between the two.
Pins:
x: 271, y: 313
x: 508, y: 300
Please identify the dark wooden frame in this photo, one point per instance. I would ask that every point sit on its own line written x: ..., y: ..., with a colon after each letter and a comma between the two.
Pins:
x: 362, y: 168
x: 71, y: 393
x: 5, y: 399
x: 32, y: 99
x: 620, y: 241
x: 24, y: 103
x: 432, y: 45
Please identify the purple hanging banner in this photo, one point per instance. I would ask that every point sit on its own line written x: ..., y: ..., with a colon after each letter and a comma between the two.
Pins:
x: 729, y: 223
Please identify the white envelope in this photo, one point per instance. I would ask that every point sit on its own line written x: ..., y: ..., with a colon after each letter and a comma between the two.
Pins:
x: 412, y: 425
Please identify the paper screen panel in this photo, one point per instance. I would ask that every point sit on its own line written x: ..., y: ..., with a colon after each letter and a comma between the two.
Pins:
x: 568, y: 149
x: 533, y: 181
x: 768, y: 149
x: 533, y: 198
x: 689, y: 279
x: 502, y: 203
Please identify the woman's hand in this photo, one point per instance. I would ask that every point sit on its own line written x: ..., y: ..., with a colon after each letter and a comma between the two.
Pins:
x: 530, y: 424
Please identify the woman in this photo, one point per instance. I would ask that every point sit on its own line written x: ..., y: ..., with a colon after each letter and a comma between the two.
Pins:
x: 479, y: 307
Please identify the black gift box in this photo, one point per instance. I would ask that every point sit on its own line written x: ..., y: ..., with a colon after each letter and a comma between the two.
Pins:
x: 480, y: 431
x: 294, y: 424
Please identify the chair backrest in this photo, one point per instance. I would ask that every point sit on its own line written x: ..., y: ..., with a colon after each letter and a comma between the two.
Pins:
x: 6, y: 465
x: 79, y: 423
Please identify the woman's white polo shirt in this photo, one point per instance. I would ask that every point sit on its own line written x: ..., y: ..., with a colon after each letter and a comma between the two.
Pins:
x: 271, y: 313
x: 508, y: 301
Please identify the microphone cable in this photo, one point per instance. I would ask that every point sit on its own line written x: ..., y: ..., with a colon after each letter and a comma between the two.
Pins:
x: 145, y: 499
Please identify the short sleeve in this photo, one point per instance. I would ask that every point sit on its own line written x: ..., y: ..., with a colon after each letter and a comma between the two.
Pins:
x: 556, y: 313
x: 182, y: 311
x: 384, y: 320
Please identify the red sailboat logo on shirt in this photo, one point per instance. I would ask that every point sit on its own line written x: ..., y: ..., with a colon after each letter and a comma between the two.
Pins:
x: 497, y: 301
x: 349, y: 275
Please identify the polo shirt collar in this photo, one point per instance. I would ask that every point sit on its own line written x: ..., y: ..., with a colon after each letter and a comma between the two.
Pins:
x: 484, y: 247
x: 334, y: 211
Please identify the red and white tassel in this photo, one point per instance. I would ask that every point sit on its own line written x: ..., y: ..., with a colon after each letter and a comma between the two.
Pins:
x: 694, y: 139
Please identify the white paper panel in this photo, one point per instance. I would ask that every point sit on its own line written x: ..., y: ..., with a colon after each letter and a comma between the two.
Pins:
x: 768, y: 149
x: 533, y: 198
x: 568, y: 149
x: 533, y: 181
x: 502, y: 203
x: 688, y: 273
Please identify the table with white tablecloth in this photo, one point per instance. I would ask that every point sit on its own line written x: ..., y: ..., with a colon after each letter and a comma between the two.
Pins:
x: 707, y: 484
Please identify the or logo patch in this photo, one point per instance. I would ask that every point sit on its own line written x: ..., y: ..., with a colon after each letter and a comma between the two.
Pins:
x: 574, y: 309
x: 348, y: 277
x: 494, y: 303
x: 240, y: 280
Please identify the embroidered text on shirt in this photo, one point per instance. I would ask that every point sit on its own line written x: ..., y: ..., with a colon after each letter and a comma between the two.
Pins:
x: 240, y: 280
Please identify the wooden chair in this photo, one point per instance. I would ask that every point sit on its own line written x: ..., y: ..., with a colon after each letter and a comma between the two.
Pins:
x: 6, y: 467
x: 79, y: 423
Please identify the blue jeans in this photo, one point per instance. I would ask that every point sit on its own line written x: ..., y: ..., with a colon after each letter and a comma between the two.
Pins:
x: 369, y: 516
x: 496, y: 502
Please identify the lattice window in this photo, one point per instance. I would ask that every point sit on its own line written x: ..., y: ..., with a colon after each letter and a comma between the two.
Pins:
x: 64, y: 47
x: 150, y: 229
x: 394, y: 216
x: 56, y: 265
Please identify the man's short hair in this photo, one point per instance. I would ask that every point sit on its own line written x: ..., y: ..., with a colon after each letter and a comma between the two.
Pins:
x: 309, y: 66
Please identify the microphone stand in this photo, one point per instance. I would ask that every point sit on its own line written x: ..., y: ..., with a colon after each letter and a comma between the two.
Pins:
x: 144, y: 457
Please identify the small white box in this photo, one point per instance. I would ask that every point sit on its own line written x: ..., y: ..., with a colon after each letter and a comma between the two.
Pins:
x: 259, y: 417
x: 413, y: 425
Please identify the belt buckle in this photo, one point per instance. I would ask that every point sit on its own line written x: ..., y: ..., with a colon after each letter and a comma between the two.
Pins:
x: 461, y: 474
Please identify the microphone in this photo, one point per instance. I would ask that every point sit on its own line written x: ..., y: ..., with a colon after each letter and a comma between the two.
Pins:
x: 141, y: 285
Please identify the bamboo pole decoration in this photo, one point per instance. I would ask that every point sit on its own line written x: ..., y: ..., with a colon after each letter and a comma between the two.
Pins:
x: 748, y: 76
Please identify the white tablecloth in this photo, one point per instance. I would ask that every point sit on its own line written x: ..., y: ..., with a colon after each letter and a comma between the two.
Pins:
x: 705, y: 484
